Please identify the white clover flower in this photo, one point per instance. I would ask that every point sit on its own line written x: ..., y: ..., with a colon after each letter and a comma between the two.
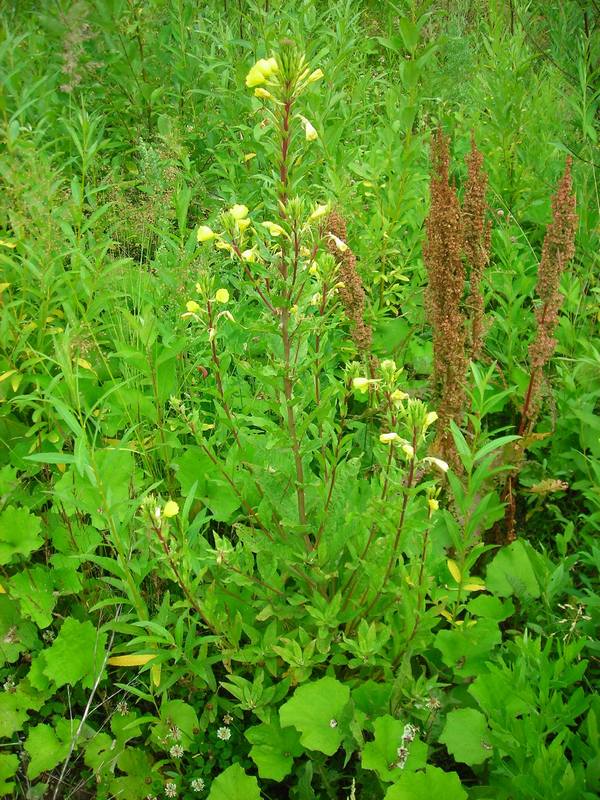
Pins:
x: 197, y: 785
x: 122, y: 708
x: 176, y: 751
x: 171, y: 789
x: 333, y: 723
x: 224, y: 734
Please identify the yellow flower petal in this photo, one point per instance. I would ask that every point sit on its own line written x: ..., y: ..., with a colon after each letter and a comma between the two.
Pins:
x: 171, y: 509
x: 388, y: 438
x: 238, y: 211
x: 315, y: 76
x: 319, y: 212
x: 192, y: 306
x: 273, y: 228
x: 205, y: 234
x: 309, y: 130
x: 222, y: 296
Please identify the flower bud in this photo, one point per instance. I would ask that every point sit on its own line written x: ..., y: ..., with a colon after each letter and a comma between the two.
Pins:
x: 205, y: 234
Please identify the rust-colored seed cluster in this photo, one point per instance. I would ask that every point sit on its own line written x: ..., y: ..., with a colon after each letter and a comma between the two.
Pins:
x: 558, y: 249
x: 443, y: 258
x: 476, y: 242
x: 352, y: 292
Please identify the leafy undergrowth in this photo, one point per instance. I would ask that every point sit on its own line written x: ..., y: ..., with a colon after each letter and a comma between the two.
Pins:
x: 299, y: 383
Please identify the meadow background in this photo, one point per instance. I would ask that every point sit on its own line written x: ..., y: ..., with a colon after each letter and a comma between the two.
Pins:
x: 230, y: 564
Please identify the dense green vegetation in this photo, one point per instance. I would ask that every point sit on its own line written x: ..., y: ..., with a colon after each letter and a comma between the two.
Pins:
x: 299, y: 390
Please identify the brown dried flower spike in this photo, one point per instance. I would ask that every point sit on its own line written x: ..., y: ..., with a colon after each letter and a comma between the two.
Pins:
x: 352, y: 293
x: 476, y: 242
x: 443, y: 258
x: 558, y: 249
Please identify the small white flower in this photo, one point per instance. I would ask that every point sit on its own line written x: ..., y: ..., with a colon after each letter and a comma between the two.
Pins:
x: 197, y: 785
x: 224, y: 734
x: 409, y: 733
x: 333, y: 723
x: 171, y: 789
x: 122, y: 708
x: 402, y: 757
x: 176, y: 751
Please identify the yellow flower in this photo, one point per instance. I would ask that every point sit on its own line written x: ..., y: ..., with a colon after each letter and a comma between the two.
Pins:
x: 261, y: 71
x: 339, y: 243
x: 408, y: 449
x: 319, y: 212
x: 388, y: 438
x: 222, y: 296
x: 192, y: 306
x: 398, y: 396
x: 171, y: 509
x: 249, y: 255
x: 430, y: 418
x: 388, y: 364
x: 437, y: 462
x: 262, y: 93
x: 433, y: 505
x: 273, y: 228
x: 238, y: 211
x: 315, y: 76
x: 205, y: 234
x: 362, y: 384
x: 221, y: 245
x: 309, y: 130
x: 242, y: 224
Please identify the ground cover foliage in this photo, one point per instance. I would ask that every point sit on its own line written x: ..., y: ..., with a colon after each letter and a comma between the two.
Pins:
x: 299, y: 381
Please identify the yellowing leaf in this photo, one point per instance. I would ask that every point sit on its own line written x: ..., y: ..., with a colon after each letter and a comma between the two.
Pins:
x: 2, y: 589
x: 15, y: 381
x: 134, y: 660
x: 155, y: 674
x: 84, y: 364
x: 474, y: 587
x: 6, y: 243
x: 7, y: 374
x: 3, y: 286
x: 454, y: 570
